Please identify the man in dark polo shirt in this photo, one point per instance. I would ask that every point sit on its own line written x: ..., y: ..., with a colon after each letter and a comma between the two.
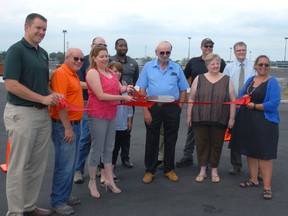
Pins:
x: 130, y: 75
x: 194, y: 67
x: 26, y: 118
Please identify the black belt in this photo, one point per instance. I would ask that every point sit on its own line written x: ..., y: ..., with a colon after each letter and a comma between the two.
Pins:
x: 166, y: 103
x: 75, y: 122
x: 39, y: 106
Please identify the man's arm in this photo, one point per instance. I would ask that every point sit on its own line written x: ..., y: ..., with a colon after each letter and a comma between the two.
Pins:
x: 68, y: 134
x: 146, y: 112
x: 16, y: 88
x: 136, y: 74
x: 182, y: 98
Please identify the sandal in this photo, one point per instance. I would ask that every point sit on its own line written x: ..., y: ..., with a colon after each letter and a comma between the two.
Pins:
x: 215, y: 179
x: 200, y: 178
x: 248, y: 184
x: 267, y: 194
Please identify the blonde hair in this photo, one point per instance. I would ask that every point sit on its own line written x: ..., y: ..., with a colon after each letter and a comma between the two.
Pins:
x: 211, y: 57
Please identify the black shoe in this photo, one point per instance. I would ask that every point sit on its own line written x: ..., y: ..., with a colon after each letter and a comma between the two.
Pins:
x: 127, y: 164
x: 234, y: 171
x: 184, y: 162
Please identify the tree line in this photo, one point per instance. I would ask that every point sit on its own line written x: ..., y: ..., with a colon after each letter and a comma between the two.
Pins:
x: 59, y: 57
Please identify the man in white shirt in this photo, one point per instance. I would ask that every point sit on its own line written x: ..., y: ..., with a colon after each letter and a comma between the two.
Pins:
x: 239, y: 71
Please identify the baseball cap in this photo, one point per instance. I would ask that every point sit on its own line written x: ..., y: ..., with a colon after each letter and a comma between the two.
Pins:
x: 206, y: 41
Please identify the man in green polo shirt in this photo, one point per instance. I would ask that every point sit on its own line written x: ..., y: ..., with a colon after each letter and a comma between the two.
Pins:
x: 26, y: 118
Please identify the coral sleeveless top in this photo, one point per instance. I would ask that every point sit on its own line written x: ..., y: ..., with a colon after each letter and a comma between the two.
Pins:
x: 99, y: 108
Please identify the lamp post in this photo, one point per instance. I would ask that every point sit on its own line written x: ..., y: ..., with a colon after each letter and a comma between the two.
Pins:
x: 230, y: 53
x: 189, y: 38
x: 250, y: 55
x: 285, y: 48
x: 64, y: 32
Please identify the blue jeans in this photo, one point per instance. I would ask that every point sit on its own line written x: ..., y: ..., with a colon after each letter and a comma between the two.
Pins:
x: 84, y: 143
x: 66, y: 156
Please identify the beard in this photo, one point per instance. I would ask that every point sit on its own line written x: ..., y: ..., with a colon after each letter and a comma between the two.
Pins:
x: 163, y: 60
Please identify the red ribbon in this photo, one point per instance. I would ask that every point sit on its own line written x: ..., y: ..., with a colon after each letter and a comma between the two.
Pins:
x: 63, y: 103
x: 142, y: 101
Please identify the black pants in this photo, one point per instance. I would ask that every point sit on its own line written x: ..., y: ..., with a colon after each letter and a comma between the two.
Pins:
x: 235, y: 159
x: 122, y: 140
x: 169, y: 115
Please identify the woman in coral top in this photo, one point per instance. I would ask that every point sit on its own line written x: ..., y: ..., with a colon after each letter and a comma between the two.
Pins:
x: 104, y: 91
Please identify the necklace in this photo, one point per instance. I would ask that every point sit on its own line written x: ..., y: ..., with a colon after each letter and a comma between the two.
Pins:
x: 250, y: 88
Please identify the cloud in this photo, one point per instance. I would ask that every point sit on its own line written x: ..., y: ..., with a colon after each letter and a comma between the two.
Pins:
x: 261, y: 25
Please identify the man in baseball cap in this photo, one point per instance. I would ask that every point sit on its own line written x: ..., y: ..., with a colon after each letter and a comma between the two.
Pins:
x: 206, y: 41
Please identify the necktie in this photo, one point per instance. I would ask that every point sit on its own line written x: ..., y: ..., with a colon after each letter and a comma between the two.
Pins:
x: 241, y: 78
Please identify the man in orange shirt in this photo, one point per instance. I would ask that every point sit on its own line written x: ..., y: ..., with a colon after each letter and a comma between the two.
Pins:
x: 66, y: 131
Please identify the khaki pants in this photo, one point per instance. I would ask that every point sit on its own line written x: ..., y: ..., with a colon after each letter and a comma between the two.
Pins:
x: 209, y: 142
x: 29, y: 131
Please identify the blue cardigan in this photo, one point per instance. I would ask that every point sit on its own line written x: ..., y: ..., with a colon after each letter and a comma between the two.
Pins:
x: 271, y: 101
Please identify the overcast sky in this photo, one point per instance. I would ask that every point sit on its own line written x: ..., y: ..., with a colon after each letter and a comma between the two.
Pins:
x: 262, y: 25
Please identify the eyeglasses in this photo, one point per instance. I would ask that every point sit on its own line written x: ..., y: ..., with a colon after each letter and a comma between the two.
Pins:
x: 241, y: 50
x: 77, y: 59
x: 263, y: 65
x: 163, y: 53
x: 207, y: 46
x: 100, y: 44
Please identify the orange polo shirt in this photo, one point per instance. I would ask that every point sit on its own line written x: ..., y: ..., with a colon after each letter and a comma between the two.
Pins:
x: 66, y: 82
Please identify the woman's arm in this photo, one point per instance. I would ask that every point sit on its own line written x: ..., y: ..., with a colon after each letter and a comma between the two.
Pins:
x: 93, y: 80
x: 190, y: 101
x: 232, y: 106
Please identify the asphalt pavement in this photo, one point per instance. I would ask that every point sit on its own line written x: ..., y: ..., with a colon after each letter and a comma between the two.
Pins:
x: 163, y: 197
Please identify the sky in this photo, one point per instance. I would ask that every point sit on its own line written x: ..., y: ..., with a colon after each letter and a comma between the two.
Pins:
x: 262, y: 25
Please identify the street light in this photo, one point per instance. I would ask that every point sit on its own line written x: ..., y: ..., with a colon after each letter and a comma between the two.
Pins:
x: 189, y: 38
x: 285, y: 48
x: 250, y: 55
x: 64, y: 32
x: 230, y: 53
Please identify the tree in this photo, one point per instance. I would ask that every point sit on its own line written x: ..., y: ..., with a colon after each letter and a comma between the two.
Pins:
x: 184, y: 61
x: 146, y: 59
x: 2, y: 56
x: 60, y: 57
x: 53, y: 56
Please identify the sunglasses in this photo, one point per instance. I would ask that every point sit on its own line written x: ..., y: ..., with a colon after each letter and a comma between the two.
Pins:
x: 207, y: 46
x: 77, y: 59
x: 263, y: 65
x: 163, y: 53
x: 100, y: 44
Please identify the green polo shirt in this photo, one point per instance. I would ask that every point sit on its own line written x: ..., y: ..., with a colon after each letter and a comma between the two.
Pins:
x: 29, y: 66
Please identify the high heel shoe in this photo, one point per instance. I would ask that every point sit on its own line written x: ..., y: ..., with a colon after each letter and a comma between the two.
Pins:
x: 93, y: 189
x: 113, y: 189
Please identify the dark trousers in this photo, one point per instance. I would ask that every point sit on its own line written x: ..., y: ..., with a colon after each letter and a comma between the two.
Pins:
x: 122, y: 140
x: 235, y: 159
x: 190, y: 144
x: 169, y: 115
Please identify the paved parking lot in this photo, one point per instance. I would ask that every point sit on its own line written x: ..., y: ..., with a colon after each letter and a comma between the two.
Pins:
x: 163, y: 197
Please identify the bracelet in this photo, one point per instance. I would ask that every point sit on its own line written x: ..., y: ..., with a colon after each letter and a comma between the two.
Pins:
x: 254, y: 106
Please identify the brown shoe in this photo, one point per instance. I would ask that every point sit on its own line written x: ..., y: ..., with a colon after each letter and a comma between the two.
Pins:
x: 39, y: 212
x: 172, y: 176
x: 148, y: 177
